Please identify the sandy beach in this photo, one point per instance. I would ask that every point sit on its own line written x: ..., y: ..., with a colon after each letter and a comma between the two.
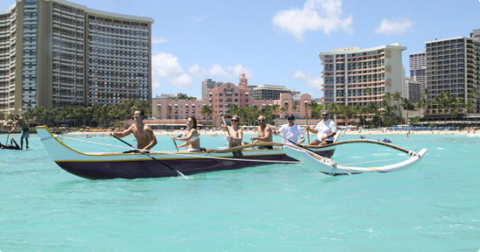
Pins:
x: 250, y: 132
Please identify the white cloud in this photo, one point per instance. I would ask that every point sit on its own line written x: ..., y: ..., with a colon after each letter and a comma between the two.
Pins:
x: 398, y: 27
x: 313, y: 82
x: 324, y: 15
x: 200, y: 19
x: 166, y: 69
x: 219, y: 72
x: 159, y: 40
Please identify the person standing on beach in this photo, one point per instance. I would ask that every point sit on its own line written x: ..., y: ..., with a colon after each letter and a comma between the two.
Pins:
x: 264, y: 133
x: 291, y: 132
x: 325, y: 129
x: 235, y: 133
x: 143, y: 133
x: 25, y: 130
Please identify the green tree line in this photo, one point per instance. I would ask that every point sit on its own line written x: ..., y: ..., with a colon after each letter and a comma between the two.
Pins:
x: 78, y: 116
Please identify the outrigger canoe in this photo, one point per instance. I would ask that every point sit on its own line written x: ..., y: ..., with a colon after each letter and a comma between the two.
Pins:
x: 328, y: 166
x: 162, y: 164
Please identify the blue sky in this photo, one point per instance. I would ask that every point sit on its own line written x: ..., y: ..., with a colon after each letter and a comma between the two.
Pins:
x: 277, y: 42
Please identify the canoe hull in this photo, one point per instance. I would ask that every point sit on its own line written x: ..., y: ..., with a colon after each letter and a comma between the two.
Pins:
x: 135, y: 165
x: 152, y: 169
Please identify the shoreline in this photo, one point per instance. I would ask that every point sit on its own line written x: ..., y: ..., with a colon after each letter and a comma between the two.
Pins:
x: 250, y: 132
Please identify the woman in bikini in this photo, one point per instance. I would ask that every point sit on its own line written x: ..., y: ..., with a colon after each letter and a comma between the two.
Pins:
x: 235, y: 133
x: 192, y: 139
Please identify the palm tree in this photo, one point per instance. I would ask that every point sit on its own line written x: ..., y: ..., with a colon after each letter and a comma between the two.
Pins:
x: 387, y: 97
x: 397, y: 96
x: 205, y: 110
x: 408, y: 106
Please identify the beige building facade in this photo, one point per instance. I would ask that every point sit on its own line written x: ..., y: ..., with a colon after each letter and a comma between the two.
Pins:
x: 356, y: 76
x: 57, y: 53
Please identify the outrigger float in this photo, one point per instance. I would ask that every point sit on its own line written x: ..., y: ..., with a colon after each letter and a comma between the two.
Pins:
x: 163, y: 164
x: 329, y: 167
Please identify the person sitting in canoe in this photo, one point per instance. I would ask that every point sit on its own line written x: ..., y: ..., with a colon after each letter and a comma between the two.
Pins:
x: 192, y: 138
x: 291, y: 132
x: 326, y: 129
x: 143, y: 133
x: 12, y: 146
x: 235, y: 133
x: 264, y: 133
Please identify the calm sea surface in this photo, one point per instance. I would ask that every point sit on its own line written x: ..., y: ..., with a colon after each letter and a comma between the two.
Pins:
x: 432, y: 206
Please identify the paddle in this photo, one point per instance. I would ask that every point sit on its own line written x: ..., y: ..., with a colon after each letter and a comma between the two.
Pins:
x: 306, y: 122
x: 8, y: 136
x: 146, y: 154
x: 235, y: 153
x: 299, y: 146
x: 174, y: 142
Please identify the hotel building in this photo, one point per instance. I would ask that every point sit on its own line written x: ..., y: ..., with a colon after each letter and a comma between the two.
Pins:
x: 169, y: 110
x: 269, y: 92
x: 418, y: 67
x: 356, y: 76
x: 453, y: 66
x: 56, y: 53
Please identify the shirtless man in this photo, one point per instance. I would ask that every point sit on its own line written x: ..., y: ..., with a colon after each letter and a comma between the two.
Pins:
x: 264, y: 133
x: 143, y: 133
x: 25, y: 130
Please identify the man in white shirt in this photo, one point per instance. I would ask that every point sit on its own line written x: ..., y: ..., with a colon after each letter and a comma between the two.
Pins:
x: 326, y: 130
x: 291, y: 132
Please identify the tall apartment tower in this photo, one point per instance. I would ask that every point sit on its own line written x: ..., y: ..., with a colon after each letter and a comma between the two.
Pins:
x: 56, y: 53
x: 355, y: 76
x: 452, y: 66
x: 418, y: 67
x: 208, y: 84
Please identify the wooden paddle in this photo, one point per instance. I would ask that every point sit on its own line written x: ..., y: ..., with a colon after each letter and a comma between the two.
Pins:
x: 306, y: 122
x: 146, y: 154
x: 174, y: 142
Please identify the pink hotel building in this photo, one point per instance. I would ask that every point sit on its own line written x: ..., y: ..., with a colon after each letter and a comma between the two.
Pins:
x: 174, y: 112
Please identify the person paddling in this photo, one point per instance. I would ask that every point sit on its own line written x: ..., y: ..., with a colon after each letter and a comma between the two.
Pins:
x: 143, y: 133
x: 291, y: 132
x: 235, y: 133
x: 25, y: 130
x: 264, y: 133
x: 192, y: 139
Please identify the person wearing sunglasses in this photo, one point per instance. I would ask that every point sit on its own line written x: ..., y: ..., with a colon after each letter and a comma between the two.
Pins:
x: 235, y: 133
x: 264, y: 133
x: 192, y: 139
x: 326, y: 130
x: 291, y: 132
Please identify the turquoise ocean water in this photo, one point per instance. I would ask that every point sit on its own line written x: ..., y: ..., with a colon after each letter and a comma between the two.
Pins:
x: 433, y: 206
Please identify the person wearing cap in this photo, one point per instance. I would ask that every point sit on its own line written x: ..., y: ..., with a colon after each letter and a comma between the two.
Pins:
x: 326, y: 130
x: 291, y: 132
